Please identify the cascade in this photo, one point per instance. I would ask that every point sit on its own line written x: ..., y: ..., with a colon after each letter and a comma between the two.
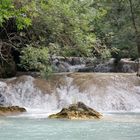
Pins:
x: 103, y: 92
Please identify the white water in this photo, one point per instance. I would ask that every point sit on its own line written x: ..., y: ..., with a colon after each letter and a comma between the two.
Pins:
x: 117, y: 96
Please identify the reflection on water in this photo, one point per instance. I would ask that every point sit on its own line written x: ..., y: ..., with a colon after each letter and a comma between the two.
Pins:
x: 122, y: 117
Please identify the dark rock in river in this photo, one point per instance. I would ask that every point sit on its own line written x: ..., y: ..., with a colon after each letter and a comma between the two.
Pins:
x: 11, y: 110
x: 2, y: 99
x: 8, y: 69
x: 78, y: 111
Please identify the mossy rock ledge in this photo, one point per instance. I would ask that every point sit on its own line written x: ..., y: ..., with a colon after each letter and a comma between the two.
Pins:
x: 78, y: 111
x: 11, y: 110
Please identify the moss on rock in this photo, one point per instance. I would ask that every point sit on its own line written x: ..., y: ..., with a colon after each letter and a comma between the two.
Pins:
x: 11, y: 110
x: 77, y: 111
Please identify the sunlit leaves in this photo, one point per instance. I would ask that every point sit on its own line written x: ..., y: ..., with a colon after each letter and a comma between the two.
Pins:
x: 8, y: 10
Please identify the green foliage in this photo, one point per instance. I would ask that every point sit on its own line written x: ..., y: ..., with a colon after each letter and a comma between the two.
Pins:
x: 116, y: 28
x: 8, y: 10
x: 67, y: 23
x: 87, y: 28
x: 35, y: 59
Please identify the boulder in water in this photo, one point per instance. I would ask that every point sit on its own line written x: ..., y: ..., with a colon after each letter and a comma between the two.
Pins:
x: 11, y: 110
x: 78, y: 111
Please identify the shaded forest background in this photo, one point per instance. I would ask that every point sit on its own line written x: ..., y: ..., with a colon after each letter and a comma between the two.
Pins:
x: 33, y: 31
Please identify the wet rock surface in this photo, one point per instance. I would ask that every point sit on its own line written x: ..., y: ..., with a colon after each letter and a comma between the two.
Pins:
x: 11, y: 110
x: 80, y: 64
x: 102, y: 91
x: 78, y: 111
x: 2, y: 100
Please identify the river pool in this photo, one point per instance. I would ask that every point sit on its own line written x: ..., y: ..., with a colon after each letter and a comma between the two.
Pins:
x: 116, y: 126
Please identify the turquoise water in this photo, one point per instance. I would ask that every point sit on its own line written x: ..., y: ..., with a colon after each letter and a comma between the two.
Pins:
x: 112, y: 127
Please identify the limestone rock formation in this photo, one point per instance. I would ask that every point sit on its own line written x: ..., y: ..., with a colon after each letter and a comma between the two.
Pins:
x: 11, y: 110
x: 78, y: 111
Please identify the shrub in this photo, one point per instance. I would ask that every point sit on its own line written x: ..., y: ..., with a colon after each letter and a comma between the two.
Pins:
x: 35, y: 59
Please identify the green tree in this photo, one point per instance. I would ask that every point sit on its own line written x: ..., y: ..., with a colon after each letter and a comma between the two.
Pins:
x: 66, y: 23
x: 119, y: 28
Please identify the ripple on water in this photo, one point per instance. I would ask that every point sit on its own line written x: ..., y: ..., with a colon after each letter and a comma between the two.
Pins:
x: 111, y: 127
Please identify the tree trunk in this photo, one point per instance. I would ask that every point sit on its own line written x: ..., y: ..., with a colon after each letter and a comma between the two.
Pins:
x: 137, y: 35
x: 138, y: 47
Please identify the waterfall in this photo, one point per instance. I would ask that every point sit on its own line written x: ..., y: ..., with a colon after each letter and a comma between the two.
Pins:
x: 103, y: 92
